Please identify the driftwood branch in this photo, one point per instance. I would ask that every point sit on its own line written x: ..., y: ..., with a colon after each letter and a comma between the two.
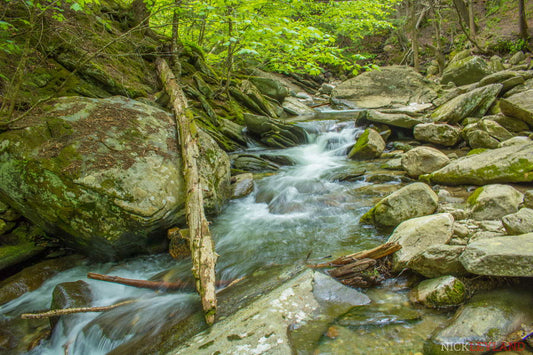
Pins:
x: 375, y: 253
x: 153, y: 285
x: 200, y: 241
x: 64, y: 311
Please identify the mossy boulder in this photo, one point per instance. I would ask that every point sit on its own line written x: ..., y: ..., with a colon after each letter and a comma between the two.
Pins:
x: 274, y: 133
x: 485, y: 133
x: 474, y: 103
x: 270, y: 87
x: 400, y: 120
x: 437, y: 133
x: 390, y: 85
x: 423, y: 160
x: 411, y: 201
x: 444, y: 291
x: 465, y: 71
x: 520, y: 106
x: 494, y: 201
x: 104, y: 175
x: 369, y: 145
x: 502, y: 165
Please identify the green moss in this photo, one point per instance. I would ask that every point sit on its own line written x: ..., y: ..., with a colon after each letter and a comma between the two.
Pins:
x: 472, y: 199
x: 476, y: 151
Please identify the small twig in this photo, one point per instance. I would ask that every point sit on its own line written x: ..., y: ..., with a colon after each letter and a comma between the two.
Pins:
x: 61, y: 312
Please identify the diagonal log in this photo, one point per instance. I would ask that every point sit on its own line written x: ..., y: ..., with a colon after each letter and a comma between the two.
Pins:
x: 64, y: 311
x: 200, y: 241
x: 376, y: 253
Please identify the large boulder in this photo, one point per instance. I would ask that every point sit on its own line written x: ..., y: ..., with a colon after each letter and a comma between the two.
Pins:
x: 401, y: 120
x: 507, y: 164
x: 483, y: 323
x: 270, y: 87
x: 444, y: 291
x: 105, y: 175
x: 465, y: 71
x: 494, y: 201
x: 438, y: 260
x: 437, y: 133
x: 500, y: 256
x: 520, y: 222
x: 485, y: 134
x: 520, y: 106
x: 293, y: 106
x: 474, y: 103
x: 369, y: 145
x: 411, y: 201
x: 387, y: 86
x: 423, y: 160
x: 274, y: 133
x: 417, y: 234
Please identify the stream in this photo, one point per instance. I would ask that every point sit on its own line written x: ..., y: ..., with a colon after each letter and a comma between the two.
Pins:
x: 298, y: 212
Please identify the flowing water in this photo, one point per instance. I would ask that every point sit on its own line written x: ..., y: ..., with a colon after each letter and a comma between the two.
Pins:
x: 297, y: 212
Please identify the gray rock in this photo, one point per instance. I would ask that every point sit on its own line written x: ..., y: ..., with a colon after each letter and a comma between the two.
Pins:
x: 498, y: 77
x: 294, y: 106
x: 500, y: 256
x: 496, y: 64
x: 486, y: 318
x: 327, y: 289
x: 507, y: 164
x: 528, y: 199
x: 494, y: 201
x: 70, y: 295
x: 270, y: 87
x: 520, y: 222
x: 411, y: 201
x: 111, y: 179
x: 485, y: 134
x: 465, y: 71
x: 417, y: 234
x: 242, y: 185
x: 393, y: 164
x: 519, y: 106
x: 249, y: 162
x: 369, y: 145
x: 445, y: 291
x: 423, y: 160
x: 437, y: 133
x: 438, y: 260
x: 517, y: 58
x: 520, y: 140
x: 274, y: 133
x: 509, y: 123
x: 477, y: 138
x: 387, y: 86
x: 474, y: 103
x: 401, y: 120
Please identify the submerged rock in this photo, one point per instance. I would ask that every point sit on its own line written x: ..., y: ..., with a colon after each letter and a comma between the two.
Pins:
x: 384, y: 87
x: 70, y: 295
x: 445, y: 291
x: 500, y: 256
x: 411, y: 201
x: 418, y: 234
x: 484, y: 322
x: 104, y: 175
x: 507, y: 164
x: 423, y: 160
x: 494, y: 201
x: 369, y: 145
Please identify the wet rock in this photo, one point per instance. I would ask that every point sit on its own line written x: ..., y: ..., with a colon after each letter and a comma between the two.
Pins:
x: 437, y: 133
x: 519, y: 106
x: 507, y: 164
x: 411, y: 201
x: 369, y: 145
x: 293, y: 106
x: 69, y: 295
x: 242, y: 185
x: 417, y: 234
x: 445, y: 291
x: 494, y: 201
x: 344, y: 173
x: 474, y: 103
x: 11, y: 255
x: 253, y: 163
x: 423, y: 160
x: 34, y: 276
x: 278, y: 159
x: 500, y: 256
x: 271, y: 87
x: 105, y: 175
x: 486, y: 318
x: 232, y: 130
x: 327, y: 289
x: 438, y: 260
x: 389, y: 85
x: 274, y: 133
x: 465, y: 71
x: 520, y: 222
x: 401, y: 120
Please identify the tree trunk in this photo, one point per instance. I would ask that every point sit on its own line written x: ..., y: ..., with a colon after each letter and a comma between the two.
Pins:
x: 522, y: 20
x: 200, y: 241
x: 140, y: 13
x: 176, y: 42
x: 471, y: 19
x: 462, y: 10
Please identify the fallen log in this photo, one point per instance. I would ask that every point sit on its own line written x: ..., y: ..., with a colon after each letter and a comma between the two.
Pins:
x: 153, y: 285
x: 346, y: 271
x: 374, y: 253
x: 200, y: 241
x: 64, y: 311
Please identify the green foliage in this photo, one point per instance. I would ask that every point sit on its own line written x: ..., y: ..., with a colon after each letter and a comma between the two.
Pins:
x: 510, y: 46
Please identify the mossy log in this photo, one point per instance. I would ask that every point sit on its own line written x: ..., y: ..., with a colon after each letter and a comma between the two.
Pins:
x: 200, y: 241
